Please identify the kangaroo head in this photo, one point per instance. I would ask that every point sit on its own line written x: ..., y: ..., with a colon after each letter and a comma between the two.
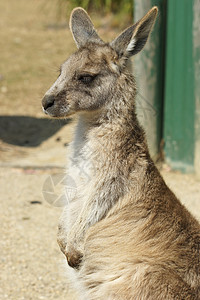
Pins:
x: 89, y: 78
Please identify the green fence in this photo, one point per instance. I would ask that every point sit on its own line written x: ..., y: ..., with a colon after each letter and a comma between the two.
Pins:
x: 179, y: 86
x: 168, y: 73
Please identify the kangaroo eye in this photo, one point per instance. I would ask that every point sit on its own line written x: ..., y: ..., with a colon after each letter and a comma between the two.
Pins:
x: 86, y: 78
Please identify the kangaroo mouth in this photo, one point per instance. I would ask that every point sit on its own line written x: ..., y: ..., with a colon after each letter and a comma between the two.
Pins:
x: 57, y: 113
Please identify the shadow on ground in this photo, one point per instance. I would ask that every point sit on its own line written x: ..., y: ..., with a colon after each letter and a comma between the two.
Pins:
x: 27, y: 131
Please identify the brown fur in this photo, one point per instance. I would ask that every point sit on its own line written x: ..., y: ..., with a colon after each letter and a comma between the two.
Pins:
x: 125, y: 233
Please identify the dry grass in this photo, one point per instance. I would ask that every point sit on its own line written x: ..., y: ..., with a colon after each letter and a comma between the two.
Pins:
x: 33, y: 45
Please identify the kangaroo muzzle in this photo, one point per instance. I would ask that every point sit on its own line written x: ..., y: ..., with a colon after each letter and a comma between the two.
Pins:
x: 48, y: 102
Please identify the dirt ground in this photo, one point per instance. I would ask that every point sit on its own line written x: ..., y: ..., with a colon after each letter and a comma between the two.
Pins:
x: 33, y: 150
x: 31, y: 263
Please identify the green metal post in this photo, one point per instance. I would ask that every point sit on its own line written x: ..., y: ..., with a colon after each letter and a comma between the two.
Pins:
x: 179, y: 110
x: 196, y: 56
x: 149, y: 72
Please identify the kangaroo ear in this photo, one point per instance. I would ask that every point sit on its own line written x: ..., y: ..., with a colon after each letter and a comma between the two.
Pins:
x: 133, y: 39
x: 82, y: 28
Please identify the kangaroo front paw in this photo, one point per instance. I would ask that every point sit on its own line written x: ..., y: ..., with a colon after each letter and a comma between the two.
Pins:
x: 74, y: 257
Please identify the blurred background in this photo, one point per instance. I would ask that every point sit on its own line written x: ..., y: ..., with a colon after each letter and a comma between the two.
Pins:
x: 34, y: 41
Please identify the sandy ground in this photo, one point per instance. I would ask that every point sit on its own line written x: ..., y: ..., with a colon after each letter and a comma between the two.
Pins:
x: 31, y: 263
x: 33, y: 149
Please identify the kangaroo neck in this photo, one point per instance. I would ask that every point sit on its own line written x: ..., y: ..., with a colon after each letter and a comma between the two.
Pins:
x: 111, y: 136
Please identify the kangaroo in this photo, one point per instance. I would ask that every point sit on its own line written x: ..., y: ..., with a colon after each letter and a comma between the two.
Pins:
x: 125, y: 234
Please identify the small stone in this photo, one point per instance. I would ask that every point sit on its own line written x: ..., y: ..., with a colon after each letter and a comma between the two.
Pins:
x: 25, y: 218
x: 35, y: 202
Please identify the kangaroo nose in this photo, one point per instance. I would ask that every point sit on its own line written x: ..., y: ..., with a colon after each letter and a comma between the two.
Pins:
x: 48, y: 101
